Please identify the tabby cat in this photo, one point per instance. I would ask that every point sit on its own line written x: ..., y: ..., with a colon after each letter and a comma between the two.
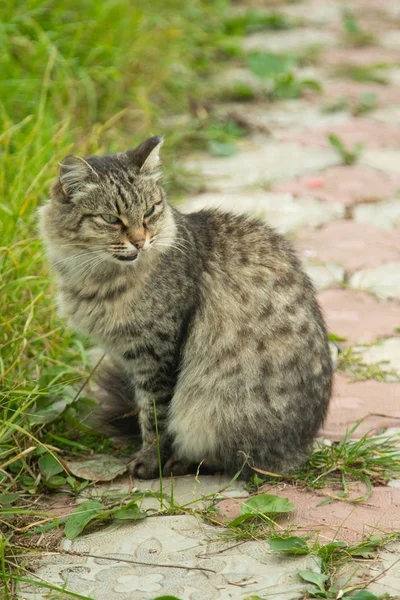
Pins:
x: 208, y: 318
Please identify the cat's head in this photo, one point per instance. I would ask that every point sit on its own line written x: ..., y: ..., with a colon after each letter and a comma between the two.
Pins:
x: 111, y: 206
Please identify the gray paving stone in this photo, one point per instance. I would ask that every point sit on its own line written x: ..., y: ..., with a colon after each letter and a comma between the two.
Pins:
x: 383, y: 159
x: 387, y: 351
x: 384, y: 214
x: 237, y: 570
x: 384, y: 281
x: 290, y: 40
x: 325, y: 276
x: 389, y: 566
x: 259, y: 160
x: 282, y: 211
x: 288, y: 115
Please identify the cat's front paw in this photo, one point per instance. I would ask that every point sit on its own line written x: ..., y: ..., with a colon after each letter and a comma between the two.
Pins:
x: 145, y: 464
x: 178, y: 466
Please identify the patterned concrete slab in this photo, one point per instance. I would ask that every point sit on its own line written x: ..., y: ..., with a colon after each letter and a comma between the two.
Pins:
x: 347, y: 185
x: 359, y: 317
x: 355, y: 246
x: 378, y: 404
x: 176, y: 555
x: 281, y: 211
x: 258, y: 161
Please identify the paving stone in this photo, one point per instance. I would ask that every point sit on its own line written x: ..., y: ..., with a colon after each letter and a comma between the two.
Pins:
x: 378, y: 404
x: 259, y: 160
x: 387, y: 571
x: 290, y: 40
x: 368, y: 55
x: 347, y: 185
x: 383, y: 214
x: 357, y: 316
x: 353, y: 245
x: 353, y: 90
x: 389, y: 115
x: 368, y: 132
x: 281, y: 211
x: 287, y: 115
x: 338, y: 520
x: 384, y: 281
x: 391, y: 40
x: 325, y: 276
x: 387, y: 352
x: 239, y: 571
x: 317, y: 12
x: 384, y: 159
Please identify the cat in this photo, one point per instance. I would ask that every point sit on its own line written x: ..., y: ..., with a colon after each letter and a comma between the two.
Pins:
x: 212, y: 325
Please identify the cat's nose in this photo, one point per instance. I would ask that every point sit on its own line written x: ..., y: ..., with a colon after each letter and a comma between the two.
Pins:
x: 139, y: 243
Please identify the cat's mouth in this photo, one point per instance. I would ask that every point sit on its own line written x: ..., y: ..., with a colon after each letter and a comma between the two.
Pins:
x: 127, y: 257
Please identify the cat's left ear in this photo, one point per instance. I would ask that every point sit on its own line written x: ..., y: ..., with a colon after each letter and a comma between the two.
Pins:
x: 146, y: 157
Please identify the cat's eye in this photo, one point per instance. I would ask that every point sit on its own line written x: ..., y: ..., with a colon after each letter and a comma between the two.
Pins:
x: 149, y: 212
x: 110, y: 219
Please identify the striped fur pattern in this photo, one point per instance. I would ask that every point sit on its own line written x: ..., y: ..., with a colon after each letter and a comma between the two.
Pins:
x: 208, y: 317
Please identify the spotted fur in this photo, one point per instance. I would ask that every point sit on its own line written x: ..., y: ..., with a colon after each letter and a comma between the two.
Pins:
x: 208, y: 317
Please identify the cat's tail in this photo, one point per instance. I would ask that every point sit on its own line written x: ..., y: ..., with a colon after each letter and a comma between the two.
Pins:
x: 117, y: 413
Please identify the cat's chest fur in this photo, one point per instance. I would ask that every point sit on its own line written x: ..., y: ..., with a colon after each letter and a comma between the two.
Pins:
x: 103, y: 310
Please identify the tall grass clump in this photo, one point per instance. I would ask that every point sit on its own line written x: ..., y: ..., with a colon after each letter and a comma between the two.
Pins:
x: 78, y: 76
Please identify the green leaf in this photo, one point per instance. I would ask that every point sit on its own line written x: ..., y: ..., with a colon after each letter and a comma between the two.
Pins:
x: 368, y: 551
x: 223, y: 149
x: 363, y: 595
x: 49, y: 466
x: 167, y: 598
x: 266, y: 504
x: 290, y: 545
x: 332, y: 337
x: 56, y: 482
x: 82, y: 516
x: 8, y: 499
x: 317, y: 579
x: 265, y: 64
x: 129, y: 512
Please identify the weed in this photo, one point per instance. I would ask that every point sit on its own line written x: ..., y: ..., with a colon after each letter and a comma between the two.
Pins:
x: 366, y: 102
x: 348, y: 157
x: 351, y: 363
x: 371, y: 460
x: 354, y: 35
x: 368, y: 73
x: 253, y: 21
x: 279, y: 70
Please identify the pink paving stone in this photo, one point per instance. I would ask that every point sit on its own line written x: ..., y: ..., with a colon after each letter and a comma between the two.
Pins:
x: 377, y: 403
x: 372, y: 134
x: 337, y: 520
x: 369, y: 55
x: 347, y: 185
x: 353, y: 90
x: 359, y: 317
x: 353, y: 245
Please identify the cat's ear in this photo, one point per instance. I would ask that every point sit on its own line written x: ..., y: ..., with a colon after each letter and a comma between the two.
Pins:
x: 146, y: 157
x: 74, y: 172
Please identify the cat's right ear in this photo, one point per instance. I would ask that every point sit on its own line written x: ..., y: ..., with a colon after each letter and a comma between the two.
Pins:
x: 75, y: 171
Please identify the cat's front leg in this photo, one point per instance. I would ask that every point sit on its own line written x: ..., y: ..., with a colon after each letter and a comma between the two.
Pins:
x: 145, y: 464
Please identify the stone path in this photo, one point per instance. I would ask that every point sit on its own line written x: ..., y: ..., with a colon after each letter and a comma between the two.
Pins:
x: 345, y: 223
